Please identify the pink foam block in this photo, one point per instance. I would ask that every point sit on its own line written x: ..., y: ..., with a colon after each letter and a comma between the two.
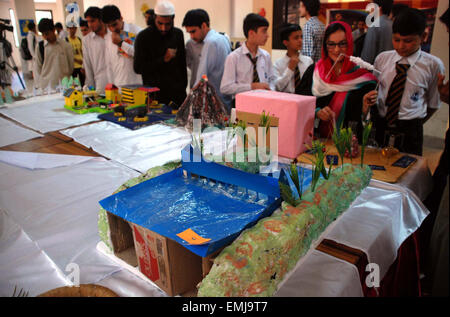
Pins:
x: 295, y: 114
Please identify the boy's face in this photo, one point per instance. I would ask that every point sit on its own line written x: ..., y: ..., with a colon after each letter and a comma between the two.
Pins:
x: 94, y: 24
x: 72, y: 31
x: 406, y: 45
x: 259, y: 37
x: 49, y: 36
x: 84, y: 30
x: 116, y: 25
x: 361, y: 25
x: 295, y: 41
x: 198, y: 34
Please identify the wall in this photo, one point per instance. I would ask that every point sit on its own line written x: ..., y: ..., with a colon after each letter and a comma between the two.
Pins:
x: 57, y: 13
x: 139, y: 16
x: 127, y: 8
x: 217, y: 10
x: 239, y: 10
x: 268, y: 7
x: 225, y: 15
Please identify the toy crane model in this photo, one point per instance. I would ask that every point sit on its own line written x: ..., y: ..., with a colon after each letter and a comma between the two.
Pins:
x: 6, y: 59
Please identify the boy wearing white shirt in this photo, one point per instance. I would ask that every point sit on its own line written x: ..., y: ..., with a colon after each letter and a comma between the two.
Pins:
x: 408, y: 92
x: 119, y: 48
x: 215, y: 50
x: 249, y: 67
x: 54, y: 57
x: 290, y: 68
x: 94, y: 51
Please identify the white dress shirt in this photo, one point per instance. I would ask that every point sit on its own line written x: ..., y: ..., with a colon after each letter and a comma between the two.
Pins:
x: 285, y: 76
x: 238, y: 71
x: 119, y: 65
x: 212, y: 59
x: 94, y: 61
x: 421, y: 84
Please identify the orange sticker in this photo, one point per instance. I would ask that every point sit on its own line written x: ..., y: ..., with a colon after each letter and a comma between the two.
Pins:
x: 191, y: 237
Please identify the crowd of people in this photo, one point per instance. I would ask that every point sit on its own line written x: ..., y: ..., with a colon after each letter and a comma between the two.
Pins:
x: 316, y: 63
x: 400, y: 96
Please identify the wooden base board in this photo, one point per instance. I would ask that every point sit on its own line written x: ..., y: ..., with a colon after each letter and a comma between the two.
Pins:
x: 372, y: 156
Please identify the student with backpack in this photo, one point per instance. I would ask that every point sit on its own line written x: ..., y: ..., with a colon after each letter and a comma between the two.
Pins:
x: 54, y: 57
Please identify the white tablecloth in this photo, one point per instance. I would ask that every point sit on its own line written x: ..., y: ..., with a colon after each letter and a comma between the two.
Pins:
x: 11, y: 133
x: 140, y: 149
x: 46, y: 114
x: 49, y: 220
x: 379, y: 221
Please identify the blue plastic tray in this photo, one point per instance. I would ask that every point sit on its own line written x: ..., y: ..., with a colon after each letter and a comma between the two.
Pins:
x: 217, y: 206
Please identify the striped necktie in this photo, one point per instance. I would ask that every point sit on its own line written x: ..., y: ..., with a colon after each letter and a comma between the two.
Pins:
x: 395, y: 93
x: 255, y: 71
x: 297, y: 79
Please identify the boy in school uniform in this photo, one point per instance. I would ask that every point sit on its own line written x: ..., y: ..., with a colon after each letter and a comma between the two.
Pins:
x: 54, y: 57
x: 290, y: 68
x: 249, y: 67
x: 408, y: 92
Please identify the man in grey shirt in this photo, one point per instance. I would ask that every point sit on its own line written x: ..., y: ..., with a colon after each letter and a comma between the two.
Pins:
x: 379, y: 38
x: 193, y: 53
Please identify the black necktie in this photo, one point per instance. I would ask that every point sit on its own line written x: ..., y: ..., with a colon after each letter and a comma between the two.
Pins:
x: 255, y: 71
x: 395, y: 93
x: 297, y: 79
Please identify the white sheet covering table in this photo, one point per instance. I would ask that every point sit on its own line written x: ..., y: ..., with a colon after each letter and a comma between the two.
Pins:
x: 49, y: 220
x: 140, y: 149
x: 11, y: 133
x: 46, y: 114
x: 55, y: 210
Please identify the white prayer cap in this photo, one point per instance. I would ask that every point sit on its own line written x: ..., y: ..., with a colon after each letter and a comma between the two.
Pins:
x: 164, y: 8
x: 71, y: 24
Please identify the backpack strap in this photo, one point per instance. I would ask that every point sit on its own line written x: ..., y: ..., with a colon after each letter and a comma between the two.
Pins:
x: 42, y: 51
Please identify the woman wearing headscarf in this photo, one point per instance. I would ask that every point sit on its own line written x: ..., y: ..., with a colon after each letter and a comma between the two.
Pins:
x: 344, y: 91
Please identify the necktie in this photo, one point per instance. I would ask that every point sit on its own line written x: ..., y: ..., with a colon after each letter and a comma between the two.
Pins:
x: 297, y: 79
x: 255, y: 72
x: 395, y: 93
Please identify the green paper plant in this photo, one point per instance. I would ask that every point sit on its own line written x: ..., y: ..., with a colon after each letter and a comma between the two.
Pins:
x: 365, y: 138
x: 264, y: 121
x: 285, y: 190
x: 342, y: 139
x: 243, y: 125
x: 318, y: 164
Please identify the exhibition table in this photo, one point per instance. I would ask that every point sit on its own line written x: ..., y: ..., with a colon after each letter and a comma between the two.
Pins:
x: 49, y: 212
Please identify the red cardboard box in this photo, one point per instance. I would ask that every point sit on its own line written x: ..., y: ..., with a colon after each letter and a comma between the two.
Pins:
x: 169, y: 265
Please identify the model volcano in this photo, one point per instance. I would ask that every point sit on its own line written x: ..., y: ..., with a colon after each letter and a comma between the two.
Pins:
x: 204, y: 104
